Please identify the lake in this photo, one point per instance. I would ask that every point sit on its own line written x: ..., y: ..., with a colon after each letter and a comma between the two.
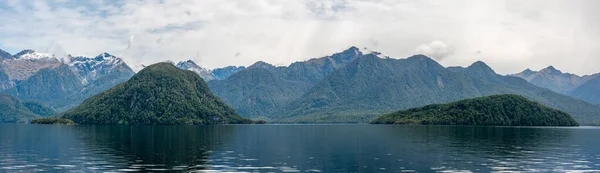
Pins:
x: 297, y: 148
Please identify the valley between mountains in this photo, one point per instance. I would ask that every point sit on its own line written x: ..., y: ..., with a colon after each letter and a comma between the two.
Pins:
x: 352, y: 86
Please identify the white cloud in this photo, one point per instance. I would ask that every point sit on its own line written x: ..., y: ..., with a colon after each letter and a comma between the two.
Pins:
x: 508, y: 35
x: 436, y: 49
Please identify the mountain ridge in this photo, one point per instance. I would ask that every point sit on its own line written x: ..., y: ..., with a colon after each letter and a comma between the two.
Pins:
x: 370, y: 86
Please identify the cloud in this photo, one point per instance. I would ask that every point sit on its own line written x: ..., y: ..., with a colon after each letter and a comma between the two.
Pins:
x: 436, y: 49
x: 511, y: 35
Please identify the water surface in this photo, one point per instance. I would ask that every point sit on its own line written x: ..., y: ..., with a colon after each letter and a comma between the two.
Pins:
x: 297, y: 148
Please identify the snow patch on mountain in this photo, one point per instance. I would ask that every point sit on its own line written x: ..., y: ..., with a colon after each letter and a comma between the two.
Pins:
x: 90, y: 69
x: 366, y: 51
x: 29, y: 54
x: 208, y: 74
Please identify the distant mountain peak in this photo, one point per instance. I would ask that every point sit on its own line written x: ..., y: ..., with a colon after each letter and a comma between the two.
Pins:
x: 480, y: 66
x: 192, y: 66
x: 419, y: 57
x: 261, y: 64
x: 5, y: 55
x: 29, y: 54
x: 188, y: 64
x: 24, y: 51
x: 551, y: 70
x: 525, y: 73
x: 103, y: 58
x: 352, y: 49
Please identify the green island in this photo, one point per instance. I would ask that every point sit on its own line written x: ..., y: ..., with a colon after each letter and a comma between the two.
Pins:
x: 497, y: 110
x: 52, y: 120
x: 159, y: 94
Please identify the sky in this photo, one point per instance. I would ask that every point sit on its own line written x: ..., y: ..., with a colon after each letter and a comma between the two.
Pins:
x: 510, y: 36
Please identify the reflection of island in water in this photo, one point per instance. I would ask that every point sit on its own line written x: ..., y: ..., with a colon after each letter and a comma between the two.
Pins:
x: 365, y: 148
x: 154, y: 148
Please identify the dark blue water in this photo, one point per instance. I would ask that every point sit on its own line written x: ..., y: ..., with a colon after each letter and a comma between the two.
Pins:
x: 297, y: 148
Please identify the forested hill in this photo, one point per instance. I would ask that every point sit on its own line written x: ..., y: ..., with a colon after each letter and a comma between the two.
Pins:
x: 500, y: 110
x: 13, y: 110
x: 158, y: 94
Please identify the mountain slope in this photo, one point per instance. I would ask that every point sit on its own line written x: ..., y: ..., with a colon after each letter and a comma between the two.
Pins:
x: 158, y: 94
x: 5, y: 55
x: 5, y: 81
x: 370, y: 86
x: 12, y: 110
x: 225, y: 72
x: 496, y: 110
x: 261, y: 88
x: 47, y: 85
x: 589, y: 91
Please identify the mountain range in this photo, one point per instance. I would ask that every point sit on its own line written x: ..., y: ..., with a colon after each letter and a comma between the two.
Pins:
x: 354, y: 85
x: 60, y: 83
x: 357, y: 85
x: 263, y: 88
x: 586, y: 87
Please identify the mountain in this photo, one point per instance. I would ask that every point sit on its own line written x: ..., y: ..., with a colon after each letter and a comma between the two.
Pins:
x: 27, y: 63
x: 158, y: 94
x: 495, y: 110
x: 262, y: 88
x: 5, y: 81
x: 206, y: 74
x: 91, y: 69
x: 192, y: 66
x: 12, y: 110
x: 5, y: 55
x: 60, y: 84
x: 370, y: 86
x: 225, y: 72
x: 96, y: 74
x: 553, y: 79
x: 589, y: 91
x: 47, y: 85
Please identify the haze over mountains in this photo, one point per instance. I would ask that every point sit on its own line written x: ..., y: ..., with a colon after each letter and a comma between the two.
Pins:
x: 582, y: 87
x: 354, y: 85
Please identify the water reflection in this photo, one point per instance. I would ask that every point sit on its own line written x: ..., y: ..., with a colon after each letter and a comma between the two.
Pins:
x: 297, y: 148
x: 155, y: 148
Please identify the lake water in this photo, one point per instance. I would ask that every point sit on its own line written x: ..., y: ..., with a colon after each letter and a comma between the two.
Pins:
x: 297, y: 148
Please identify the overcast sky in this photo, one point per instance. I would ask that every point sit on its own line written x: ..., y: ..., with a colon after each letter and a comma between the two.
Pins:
x: 510, y: 36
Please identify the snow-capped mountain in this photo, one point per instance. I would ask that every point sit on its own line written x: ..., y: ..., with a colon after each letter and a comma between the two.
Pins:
x: 90, y: 69
x: 207, y: 74
x: 63, y: 83
x: 192, y: 66
x: 28, y: 62
x: 29, y: 54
